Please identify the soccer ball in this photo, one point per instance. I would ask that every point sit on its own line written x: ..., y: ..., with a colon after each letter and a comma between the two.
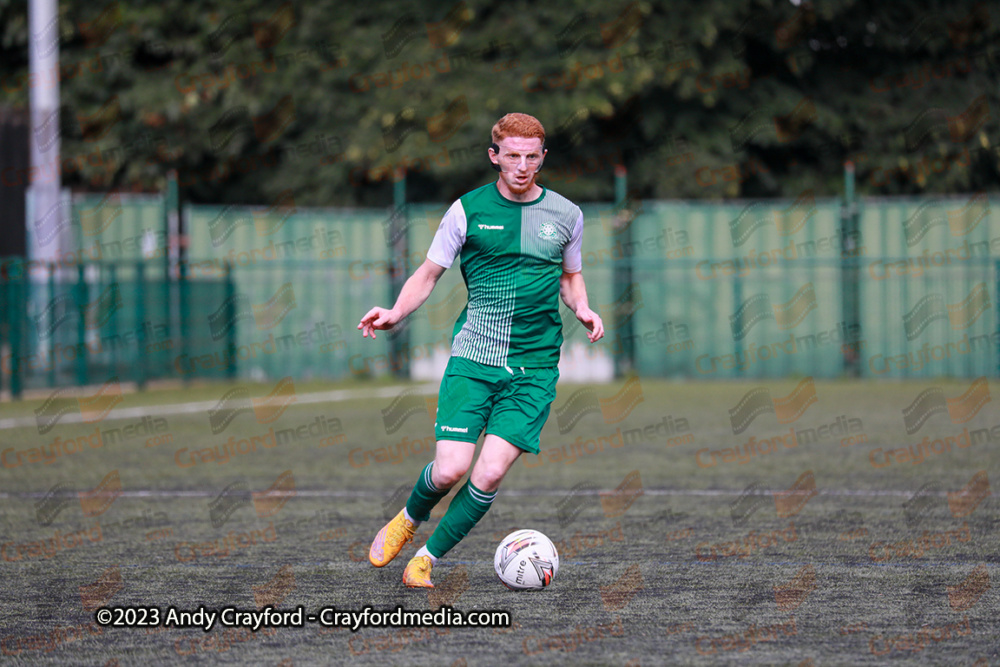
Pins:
x: 526, y: 560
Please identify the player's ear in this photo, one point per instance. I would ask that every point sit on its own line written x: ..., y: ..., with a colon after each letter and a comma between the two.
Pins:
x: 496, y: 152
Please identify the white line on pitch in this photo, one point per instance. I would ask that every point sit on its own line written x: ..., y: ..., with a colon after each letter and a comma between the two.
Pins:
x: 334, y: 493
x: 201, y: 406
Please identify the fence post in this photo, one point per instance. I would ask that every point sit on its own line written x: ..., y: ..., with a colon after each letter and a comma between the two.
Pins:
x: 737, y: 326
x: 53, y: 360
x: 140, y: 315
x: 112, y: 322
x: 623, y: 315
x: 170, y: 236
x: 850, y: 287
x: 399, y: 339
x: 15, y: 323
x: 81, y: 326
x: 996, y: 276
x: 182, y: 309
x: 230, y: 301
x: 4, y: 310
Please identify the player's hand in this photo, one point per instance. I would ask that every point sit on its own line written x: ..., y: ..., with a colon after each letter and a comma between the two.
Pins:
x: 377, y: 318
x: 591, y: 320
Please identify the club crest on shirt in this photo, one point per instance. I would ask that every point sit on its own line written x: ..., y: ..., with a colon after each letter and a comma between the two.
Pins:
x: 548, y: 231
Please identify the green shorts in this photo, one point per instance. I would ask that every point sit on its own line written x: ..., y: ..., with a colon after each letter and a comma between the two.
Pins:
x: 512, y: 403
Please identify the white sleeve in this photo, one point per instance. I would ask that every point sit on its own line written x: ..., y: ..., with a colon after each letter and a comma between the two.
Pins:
x: 572, y: 257
x: 450, y: 236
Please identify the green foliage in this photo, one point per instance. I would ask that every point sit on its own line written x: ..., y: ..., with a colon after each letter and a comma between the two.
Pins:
x: 699, y: 100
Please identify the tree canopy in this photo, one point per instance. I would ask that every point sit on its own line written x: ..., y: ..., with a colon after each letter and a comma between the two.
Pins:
x: 251, y: 101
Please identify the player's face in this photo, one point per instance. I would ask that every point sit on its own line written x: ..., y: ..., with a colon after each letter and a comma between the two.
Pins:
x: 519, y: 159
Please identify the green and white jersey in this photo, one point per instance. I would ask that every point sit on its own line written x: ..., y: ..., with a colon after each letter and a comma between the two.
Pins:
x: 513, y: 255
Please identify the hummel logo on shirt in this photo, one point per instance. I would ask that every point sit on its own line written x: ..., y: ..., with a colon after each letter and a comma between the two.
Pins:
x: 491, y: 226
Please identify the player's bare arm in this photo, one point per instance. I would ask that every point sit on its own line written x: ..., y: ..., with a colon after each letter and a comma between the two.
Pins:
x: 574, y: 294
x: 415, y: 291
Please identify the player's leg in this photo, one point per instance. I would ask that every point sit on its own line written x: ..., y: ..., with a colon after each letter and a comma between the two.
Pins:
x: 515, y: 423
x: 475, y: 497
x: 470, y: 504
x: 464, y: 404
x: 451, y: 461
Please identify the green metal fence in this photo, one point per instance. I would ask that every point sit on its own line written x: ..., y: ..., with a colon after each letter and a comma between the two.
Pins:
x: 783, y: 288
x: 100, y: 320
x: 116, y: 228
x: 884, y: 288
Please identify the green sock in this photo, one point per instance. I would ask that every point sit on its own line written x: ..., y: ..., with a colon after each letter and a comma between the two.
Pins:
x: 424, y: 496
x: 466, y: 509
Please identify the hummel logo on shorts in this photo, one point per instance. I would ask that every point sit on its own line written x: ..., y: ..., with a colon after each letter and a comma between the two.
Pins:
x: 455, y: 430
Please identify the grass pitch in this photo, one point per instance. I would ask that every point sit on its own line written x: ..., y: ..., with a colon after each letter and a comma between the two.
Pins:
x: 859, y: 532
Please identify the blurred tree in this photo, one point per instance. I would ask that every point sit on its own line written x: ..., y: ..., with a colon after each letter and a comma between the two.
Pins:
x: 249, y: 101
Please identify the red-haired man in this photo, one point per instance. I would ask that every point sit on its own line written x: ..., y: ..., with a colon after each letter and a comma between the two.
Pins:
x: 520, y: 249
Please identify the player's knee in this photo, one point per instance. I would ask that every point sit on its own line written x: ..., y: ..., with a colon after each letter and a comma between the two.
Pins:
x: 447, y: 473
x: 488, y: 480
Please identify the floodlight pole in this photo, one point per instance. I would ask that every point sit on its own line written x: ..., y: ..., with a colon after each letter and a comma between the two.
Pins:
x: 48, y: 228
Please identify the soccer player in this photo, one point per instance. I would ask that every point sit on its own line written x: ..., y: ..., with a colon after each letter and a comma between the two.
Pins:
x: 520, y: 249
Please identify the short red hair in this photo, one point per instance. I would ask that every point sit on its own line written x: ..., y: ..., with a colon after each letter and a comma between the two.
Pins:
x: 518, y: 125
